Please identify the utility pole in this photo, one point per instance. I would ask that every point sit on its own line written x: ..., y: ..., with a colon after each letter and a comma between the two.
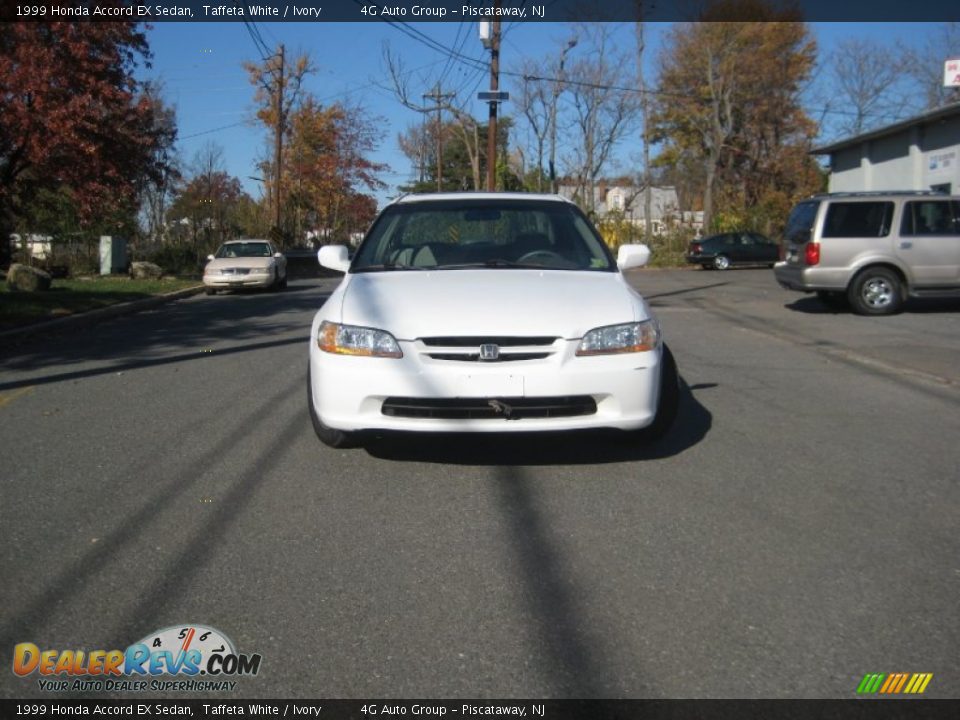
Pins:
x: 278, y: 158
x: 644, y: 109
x: 494, y: 87
x: 571, y: 43
x: 438, y: 97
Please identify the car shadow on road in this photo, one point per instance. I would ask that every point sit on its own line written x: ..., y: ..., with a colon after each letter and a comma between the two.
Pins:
x: 120, y: 367
x: 555, y: 448
x: 684, y: 291
x: 920, y: 306
x: 178, y: 329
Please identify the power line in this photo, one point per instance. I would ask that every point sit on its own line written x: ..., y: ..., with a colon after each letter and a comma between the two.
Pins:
x: 212, y: 130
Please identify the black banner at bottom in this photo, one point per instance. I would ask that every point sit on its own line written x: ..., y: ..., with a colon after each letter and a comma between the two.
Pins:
x: 865, y: 709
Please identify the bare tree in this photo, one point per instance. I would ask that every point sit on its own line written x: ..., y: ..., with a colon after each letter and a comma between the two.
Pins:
x: 865, y: 85
x: 415, y: 144
x: 604, y: 109
x: 924, y: 65
x: 156, y: 192
x: 465, y: 123
x: 534, y: 104
x: 645, y: 133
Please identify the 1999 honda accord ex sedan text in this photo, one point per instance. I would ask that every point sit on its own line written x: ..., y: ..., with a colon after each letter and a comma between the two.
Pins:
x: 486, y: 312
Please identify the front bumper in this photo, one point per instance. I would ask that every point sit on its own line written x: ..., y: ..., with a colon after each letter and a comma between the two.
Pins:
x: 226, y: 282
x: 349, y: 392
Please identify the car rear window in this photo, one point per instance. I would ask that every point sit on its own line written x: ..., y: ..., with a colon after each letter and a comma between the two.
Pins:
x: 858, y: 219
x: 800, y: 222
x: 931, y: 217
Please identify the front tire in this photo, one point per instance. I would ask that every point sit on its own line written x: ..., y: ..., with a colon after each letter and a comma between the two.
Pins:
x: 330, y: 437
x: 876, y: 291
x: 721, y: 262
x: 210, y: 291
x: 669, y: 403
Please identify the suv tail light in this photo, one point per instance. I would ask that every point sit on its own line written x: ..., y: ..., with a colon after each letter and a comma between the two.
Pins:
x: 811, y: 254
x: 696, y: 248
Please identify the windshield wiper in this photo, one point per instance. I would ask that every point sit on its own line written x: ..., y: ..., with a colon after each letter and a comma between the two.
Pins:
x: 386, y: 267
x: 493, y: 263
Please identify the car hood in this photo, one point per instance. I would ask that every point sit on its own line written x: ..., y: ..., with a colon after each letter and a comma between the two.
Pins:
x: 413, y: 304
x: 240, y: 262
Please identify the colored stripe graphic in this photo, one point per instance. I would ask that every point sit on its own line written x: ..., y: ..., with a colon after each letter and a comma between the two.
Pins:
x: 894, y: 683
x: 870, y: 683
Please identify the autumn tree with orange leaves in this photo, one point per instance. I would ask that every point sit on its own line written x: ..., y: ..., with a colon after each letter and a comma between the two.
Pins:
x: 72, y: 120
x: 728, y: 108
x: 324, y: 165
x: 330, y: 169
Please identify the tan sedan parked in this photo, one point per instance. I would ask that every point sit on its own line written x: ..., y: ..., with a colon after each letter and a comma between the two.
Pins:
x: 245, y: 264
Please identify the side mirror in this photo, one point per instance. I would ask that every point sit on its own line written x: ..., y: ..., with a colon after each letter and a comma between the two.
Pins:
x: 334, y: 257
x: 632, y: 256
x: 209, y: 257
x: 278, y: 254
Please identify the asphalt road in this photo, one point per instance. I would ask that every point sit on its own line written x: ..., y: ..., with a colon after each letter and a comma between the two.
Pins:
x: 797, y: 530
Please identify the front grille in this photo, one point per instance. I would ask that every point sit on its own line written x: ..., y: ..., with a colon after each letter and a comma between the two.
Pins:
x: 490, y: 408
x: 475, y: 357
x: 236, y: 271
x: 478, y: 340
x: 466, y: 348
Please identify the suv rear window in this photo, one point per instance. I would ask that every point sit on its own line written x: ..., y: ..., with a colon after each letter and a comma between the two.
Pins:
x: 800, y: 222
x: 931, y: 217
x: 858, y: 219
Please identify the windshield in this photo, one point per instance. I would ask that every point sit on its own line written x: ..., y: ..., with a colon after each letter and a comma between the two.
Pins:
x: 494, y: 233
x: 244, y: 250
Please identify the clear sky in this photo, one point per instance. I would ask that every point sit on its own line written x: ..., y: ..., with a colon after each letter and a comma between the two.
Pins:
x: 200, y: 66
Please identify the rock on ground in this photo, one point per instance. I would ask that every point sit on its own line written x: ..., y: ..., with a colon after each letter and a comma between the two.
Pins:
x: 145, y: 271
x: 27, y: 279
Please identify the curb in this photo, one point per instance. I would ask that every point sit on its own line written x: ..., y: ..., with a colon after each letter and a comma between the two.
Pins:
x: 91, y: 317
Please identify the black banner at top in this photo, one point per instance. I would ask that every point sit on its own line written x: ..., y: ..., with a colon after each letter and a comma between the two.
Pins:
x: 380, y: 709
x: 479, y: 10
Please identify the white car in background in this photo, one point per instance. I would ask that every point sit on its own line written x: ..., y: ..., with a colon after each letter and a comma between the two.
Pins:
x: 486, y: 312
x: 239, y: 264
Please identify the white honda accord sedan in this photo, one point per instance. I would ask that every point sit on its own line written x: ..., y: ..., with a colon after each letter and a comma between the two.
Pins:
x: 486, y: 312
x: 240, y: 264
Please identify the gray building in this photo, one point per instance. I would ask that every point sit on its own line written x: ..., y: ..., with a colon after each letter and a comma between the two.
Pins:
x: 921, y: 153
x: 629, y: 201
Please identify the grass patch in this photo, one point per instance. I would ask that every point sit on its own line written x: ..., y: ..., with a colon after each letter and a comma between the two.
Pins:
x: 666, y: 258
x: 70, y: 297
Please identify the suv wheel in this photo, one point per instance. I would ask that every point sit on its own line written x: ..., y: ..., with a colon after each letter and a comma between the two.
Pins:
x: 876, y: 291
x: 721, y: 262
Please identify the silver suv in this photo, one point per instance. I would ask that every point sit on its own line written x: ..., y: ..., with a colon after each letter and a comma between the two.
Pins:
x: 873, y: 249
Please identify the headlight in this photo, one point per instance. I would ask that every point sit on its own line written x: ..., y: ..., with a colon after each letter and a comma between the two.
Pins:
x: 261, y: 270
x: 353, y: 340
x: 629, y: 337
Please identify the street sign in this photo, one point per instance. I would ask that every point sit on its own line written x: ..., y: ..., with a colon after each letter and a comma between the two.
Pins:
x: 489, y: 96
x: 951, y: 73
